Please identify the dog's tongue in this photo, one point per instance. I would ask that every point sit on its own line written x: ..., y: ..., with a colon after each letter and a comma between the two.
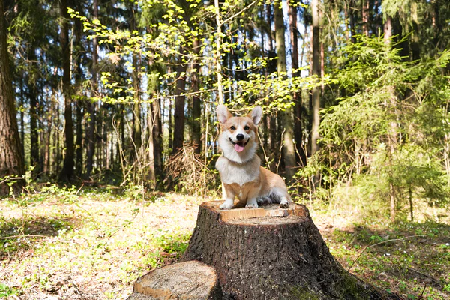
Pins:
x: 238, y: 148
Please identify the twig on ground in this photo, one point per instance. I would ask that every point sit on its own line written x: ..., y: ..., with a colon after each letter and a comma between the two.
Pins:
x: 423, y: 290
x: 25, y: 235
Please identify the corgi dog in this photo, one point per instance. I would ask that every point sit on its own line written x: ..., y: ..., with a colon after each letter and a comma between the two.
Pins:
x: 240, y: 168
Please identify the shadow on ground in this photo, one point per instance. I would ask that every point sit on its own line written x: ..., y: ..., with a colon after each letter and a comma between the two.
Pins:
x: 22, y: 233
x: 412, y: 259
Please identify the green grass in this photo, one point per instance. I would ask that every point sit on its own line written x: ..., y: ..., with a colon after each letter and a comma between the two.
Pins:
x: 96, y: 243
x: 92, y: 243
x: 410, y: 259
x: 6, y: 291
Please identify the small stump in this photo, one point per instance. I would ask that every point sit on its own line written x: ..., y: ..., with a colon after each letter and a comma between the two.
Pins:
x: 271, y: 253
x: 185, y: 280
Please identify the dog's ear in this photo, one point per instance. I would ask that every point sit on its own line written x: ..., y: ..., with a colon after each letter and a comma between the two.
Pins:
x: 256, y: 115
x: 223, y: 114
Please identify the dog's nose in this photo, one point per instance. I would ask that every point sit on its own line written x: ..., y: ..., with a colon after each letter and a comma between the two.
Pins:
x: 240, y: 136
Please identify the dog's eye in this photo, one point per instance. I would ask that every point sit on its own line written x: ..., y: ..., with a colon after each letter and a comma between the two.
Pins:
x: 246, y: 127
x: 233, y: 128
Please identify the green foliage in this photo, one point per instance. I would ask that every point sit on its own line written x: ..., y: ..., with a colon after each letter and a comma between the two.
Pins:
x: 386, y: 135
x: 6, y: 291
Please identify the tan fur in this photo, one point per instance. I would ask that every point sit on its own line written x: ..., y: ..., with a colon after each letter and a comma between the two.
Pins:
x: 241, y: 172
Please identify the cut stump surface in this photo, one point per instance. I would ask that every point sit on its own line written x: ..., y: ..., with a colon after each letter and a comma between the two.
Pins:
x: 185, y: 280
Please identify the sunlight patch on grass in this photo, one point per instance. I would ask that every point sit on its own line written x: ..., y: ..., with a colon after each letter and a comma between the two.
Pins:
x: 103, y: 247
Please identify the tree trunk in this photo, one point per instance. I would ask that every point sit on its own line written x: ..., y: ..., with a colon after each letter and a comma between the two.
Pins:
x: 392, y: 138
x: 22, y: 116
x: 351, y: 20
x: 287, y: 116
x: 271, y: 253
x: 90, y: 106
x: 122, y: 152
x: 169, y: 117
x: 11, y: 159
x: 56, y: 147
x: 271, y: 118
x: 317, y: 72
x: 46, y: 166
x: 137, y: 128
x: 79, y: 138
x: 158, y: 141
x: 80, y: 101
x: 151, y: 146
x: 218, y: 56
x: 196, y: 109
x: 347, y: 21
x: 365, y: 17
x: 105, y: 142
x: 42, y: 110
x: 98, y: 135
x: 178, y: 135
x: 33, y: 97
x: 300, y: 155
x: 67, y: 171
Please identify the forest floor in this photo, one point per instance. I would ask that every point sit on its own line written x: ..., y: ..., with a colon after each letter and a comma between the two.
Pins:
x: 69, y: 244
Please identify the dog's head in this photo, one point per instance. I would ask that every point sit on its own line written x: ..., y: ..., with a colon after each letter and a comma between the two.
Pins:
x: 239, y: 134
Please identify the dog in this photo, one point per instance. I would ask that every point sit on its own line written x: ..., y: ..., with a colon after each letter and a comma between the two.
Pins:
x: 240, y: 167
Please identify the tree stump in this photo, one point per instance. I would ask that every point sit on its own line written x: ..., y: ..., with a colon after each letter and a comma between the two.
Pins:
x: 271, y: 253
x: 185, y: 280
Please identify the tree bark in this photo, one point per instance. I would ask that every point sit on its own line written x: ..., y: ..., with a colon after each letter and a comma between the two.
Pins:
x: 170, y: 116
x: 22, y: 116
x: 34, y: 107
x: 67, y: 171
x: 300, y: 155
x: 392, y: 138
x: 47, y: 157
x: 158, y: 141
x: 11, y: 158
x: 315, y: 72
x: 365, y: 17
x: 80, y: 101
x: 90, y: 106
x: 196, y: 108
x: 271, y: 253
x: 178, y: 134
x: 271, y: 118
x: 287, y: 115
x: 218, y: 55
x: 352, y: 20
x: 151, y: 146
x: 98, y: 135
x: 137, y: 128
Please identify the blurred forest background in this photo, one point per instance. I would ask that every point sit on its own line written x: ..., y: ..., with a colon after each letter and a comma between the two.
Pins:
x: 355, y: 95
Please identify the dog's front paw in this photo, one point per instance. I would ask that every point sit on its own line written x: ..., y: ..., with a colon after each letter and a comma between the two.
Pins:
x: 226, y: 205
x: 284, y: 204
x: 251, y: 203
x: 252, y: 206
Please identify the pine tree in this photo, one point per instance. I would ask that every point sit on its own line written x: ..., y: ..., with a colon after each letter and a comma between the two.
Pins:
x: 288, y: 116
x: 67, y: 171
x: 11, y: 159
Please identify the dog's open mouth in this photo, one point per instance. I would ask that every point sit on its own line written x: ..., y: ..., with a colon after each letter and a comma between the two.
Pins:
x: 239, y: 146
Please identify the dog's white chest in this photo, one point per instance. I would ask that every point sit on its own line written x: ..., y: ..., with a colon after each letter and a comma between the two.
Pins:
x: 237, y: 173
